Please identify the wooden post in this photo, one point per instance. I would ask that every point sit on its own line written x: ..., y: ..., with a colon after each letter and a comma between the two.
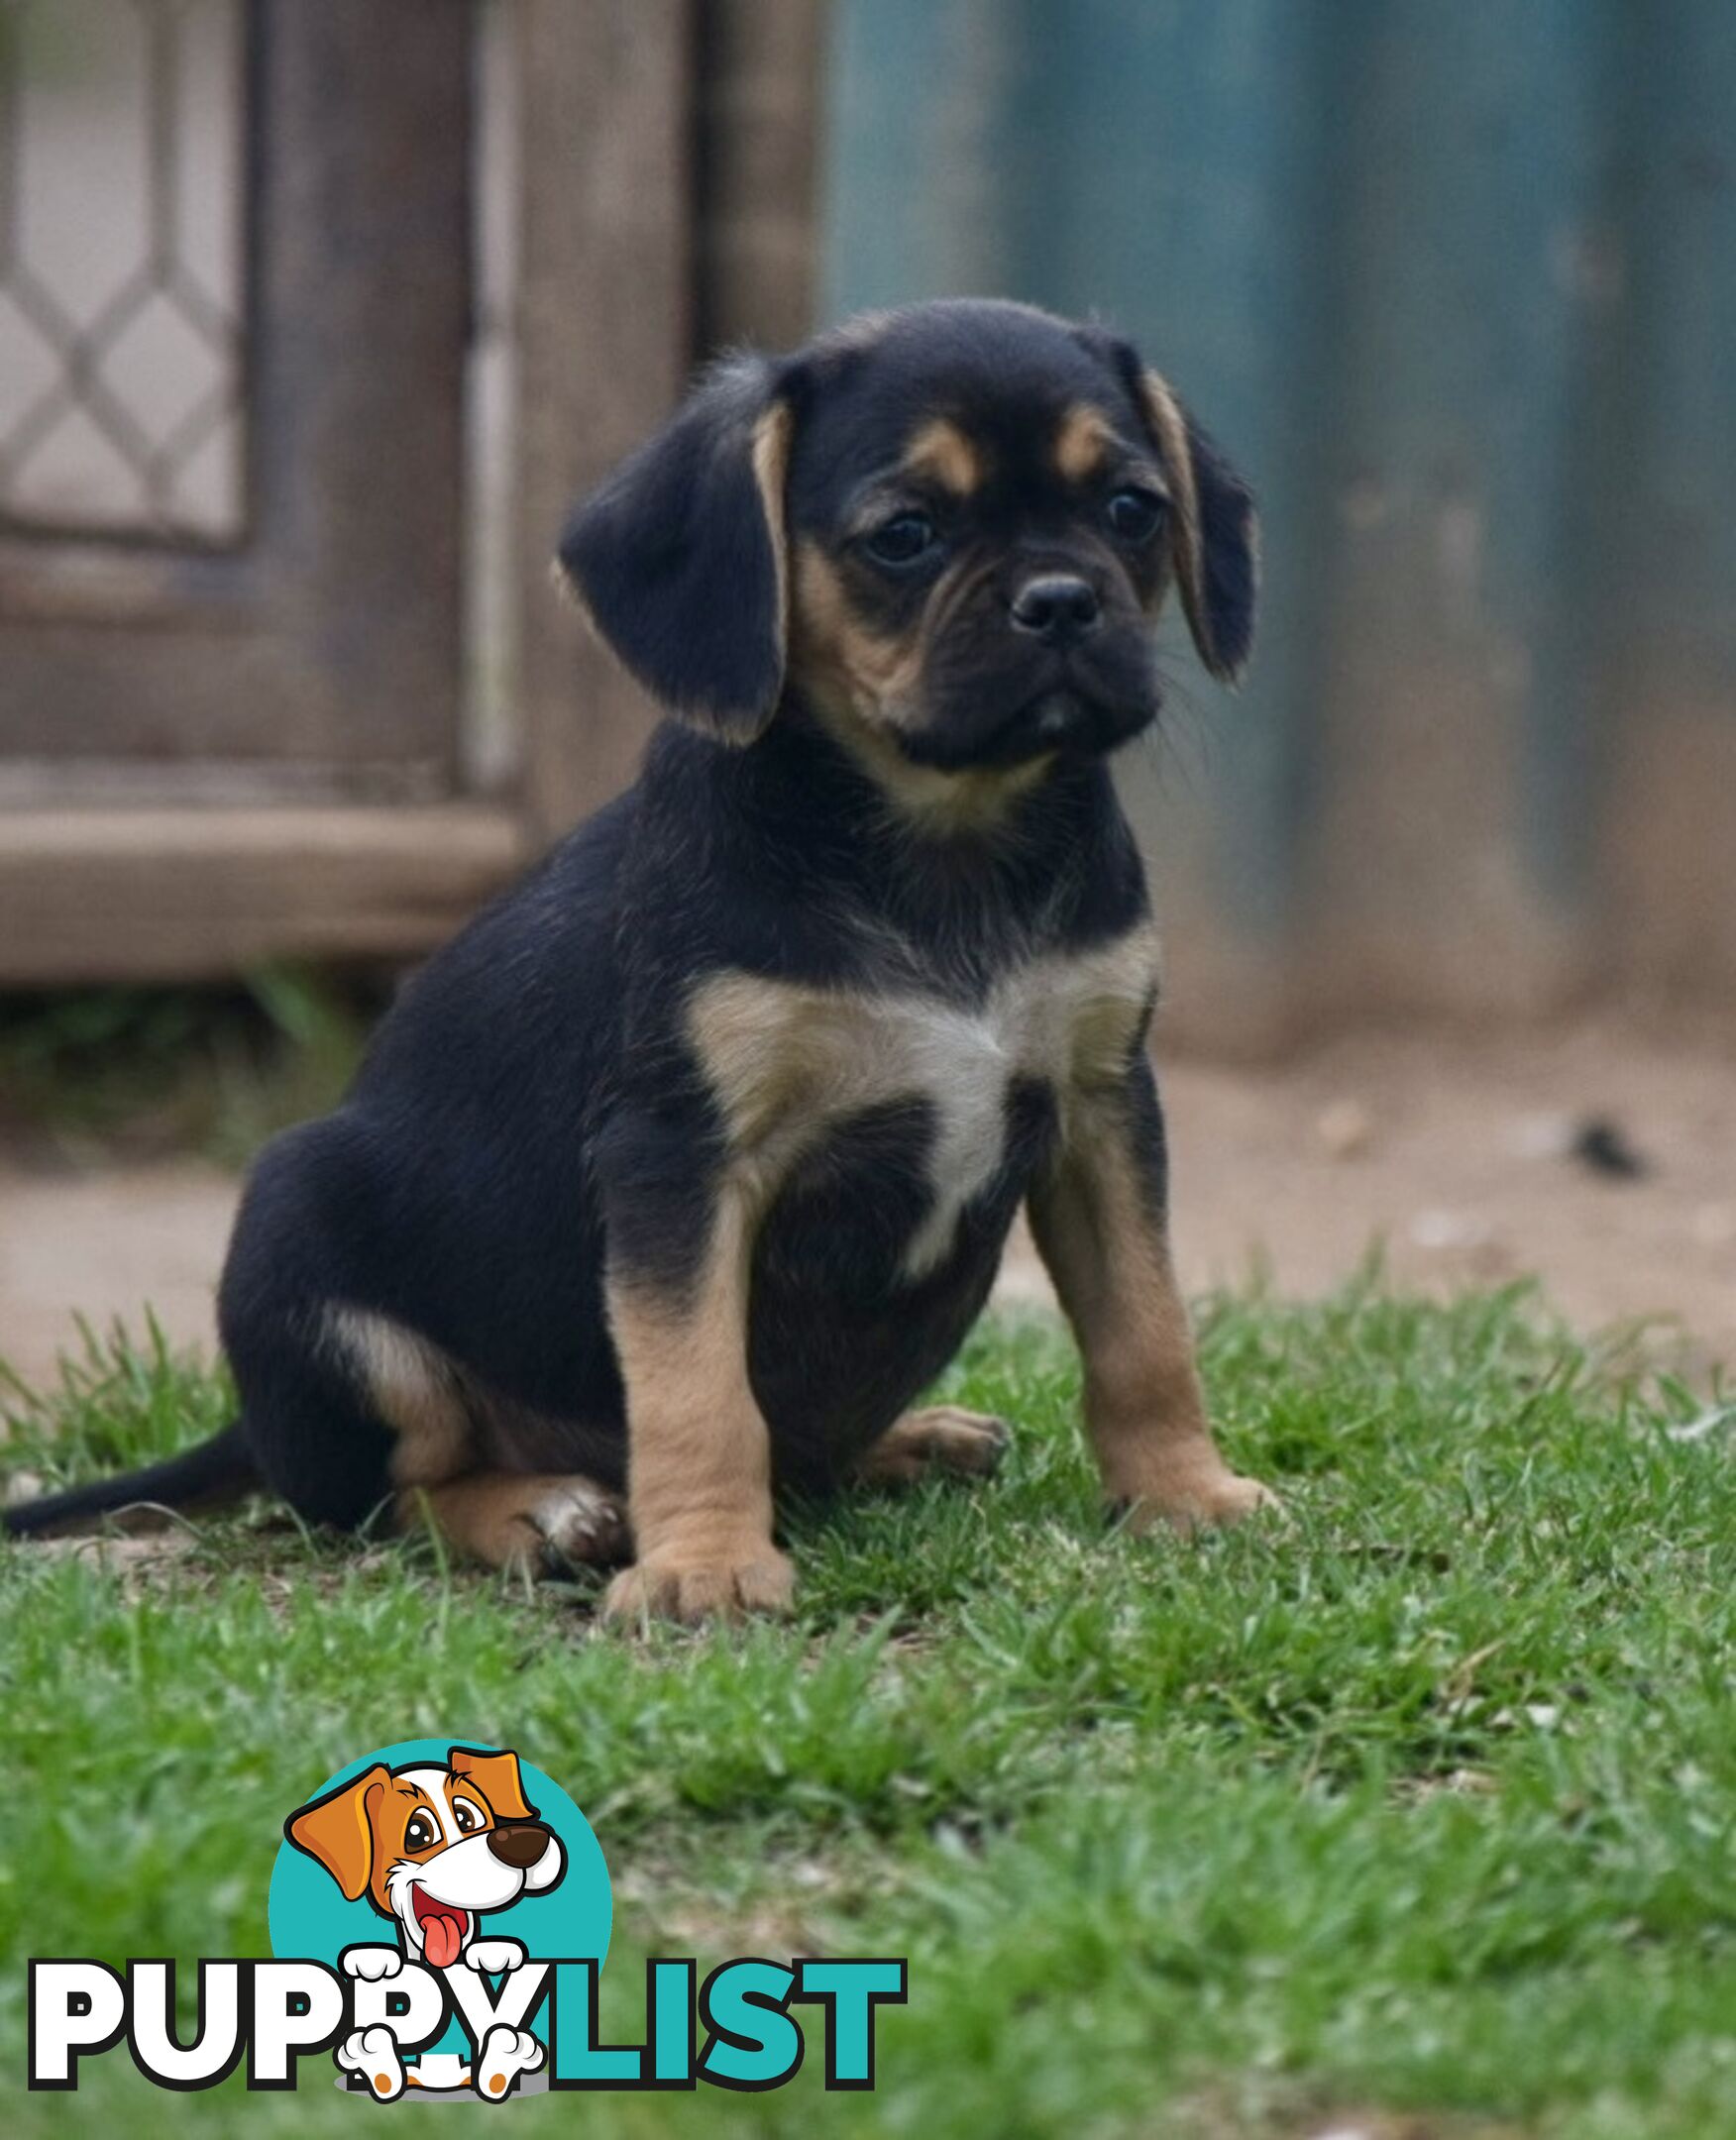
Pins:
x: 604, y: 339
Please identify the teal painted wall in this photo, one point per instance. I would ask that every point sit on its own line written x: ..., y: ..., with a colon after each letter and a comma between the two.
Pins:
x: 1456, y: 287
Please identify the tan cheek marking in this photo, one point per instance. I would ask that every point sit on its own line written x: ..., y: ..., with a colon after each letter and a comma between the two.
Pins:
x: 414, y: 1388
x: 848, y: 669
x: 1082, y: 441
x: 862, y: 687
x: 940, y: 453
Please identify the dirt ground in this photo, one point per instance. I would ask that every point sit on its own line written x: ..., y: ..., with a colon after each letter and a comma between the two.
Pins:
x: 1454, y: 1154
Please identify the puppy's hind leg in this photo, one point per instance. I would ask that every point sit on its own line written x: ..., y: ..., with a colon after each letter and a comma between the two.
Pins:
x: 542, y: 1524
x: 942, y: 1440
x: 315, y: 1436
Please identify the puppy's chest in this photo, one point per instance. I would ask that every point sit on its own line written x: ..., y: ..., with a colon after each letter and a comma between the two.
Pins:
x: 787, y: 1060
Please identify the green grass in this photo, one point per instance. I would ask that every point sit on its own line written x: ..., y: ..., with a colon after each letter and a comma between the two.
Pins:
x: 1421, y: 1801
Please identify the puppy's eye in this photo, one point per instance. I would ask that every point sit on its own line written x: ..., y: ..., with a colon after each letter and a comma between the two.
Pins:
x: 420, y: 1833
x: 902, y: 540
x: 1134, y: 514
x: 467, y: 1818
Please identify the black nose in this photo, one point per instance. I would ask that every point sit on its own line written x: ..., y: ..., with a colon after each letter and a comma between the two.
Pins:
x: 1056, y: 607
x: 519, y: 1845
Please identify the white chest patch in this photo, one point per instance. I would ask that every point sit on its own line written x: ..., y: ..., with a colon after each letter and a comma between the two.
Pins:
x: 785, y: 1060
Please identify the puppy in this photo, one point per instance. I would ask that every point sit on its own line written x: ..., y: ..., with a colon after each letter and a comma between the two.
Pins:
x: 683, y: 1171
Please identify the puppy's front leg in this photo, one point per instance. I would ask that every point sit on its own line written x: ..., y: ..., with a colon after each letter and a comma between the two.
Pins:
x: 699, y: 1455
x: 1100, y: 1220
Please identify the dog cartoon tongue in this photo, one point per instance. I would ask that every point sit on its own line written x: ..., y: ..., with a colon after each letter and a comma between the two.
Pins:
x: 443, y: 1929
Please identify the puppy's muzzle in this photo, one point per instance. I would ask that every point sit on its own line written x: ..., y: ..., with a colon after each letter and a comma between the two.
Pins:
x: 519, y: 1845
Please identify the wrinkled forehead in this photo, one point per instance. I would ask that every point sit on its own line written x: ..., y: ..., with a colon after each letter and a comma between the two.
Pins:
x: 961, y: 408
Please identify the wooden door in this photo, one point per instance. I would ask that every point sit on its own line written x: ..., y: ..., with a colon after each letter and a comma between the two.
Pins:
x: 232, y: 483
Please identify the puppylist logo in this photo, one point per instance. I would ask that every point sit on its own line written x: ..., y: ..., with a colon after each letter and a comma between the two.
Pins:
x: 440, y: 1916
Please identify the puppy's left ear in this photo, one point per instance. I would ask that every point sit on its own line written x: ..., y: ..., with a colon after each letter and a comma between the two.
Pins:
x: 680, y: 558
x: 497, y: 1777
x: 1217, y: 534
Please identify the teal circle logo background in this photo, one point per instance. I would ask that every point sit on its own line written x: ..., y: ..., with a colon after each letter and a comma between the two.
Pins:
x: 308, y: 1917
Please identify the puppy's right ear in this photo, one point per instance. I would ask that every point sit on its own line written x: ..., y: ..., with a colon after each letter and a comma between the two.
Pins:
x: 337, y: 1831
x: 679, y: 559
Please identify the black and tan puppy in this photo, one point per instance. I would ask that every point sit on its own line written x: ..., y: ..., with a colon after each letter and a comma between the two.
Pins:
x: 684, y: 1169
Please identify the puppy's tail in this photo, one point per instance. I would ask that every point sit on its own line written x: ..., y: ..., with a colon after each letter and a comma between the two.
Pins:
x: 215, y: 1471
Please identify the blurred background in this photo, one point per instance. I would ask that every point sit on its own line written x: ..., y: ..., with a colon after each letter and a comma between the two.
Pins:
x: 314, y: 315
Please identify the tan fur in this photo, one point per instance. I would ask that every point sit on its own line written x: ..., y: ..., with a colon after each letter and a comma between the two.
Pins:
x: 940, y: 453
x: 943, y: 1439
x: 1083, y: 440
x: 841, y: 663
x: 864, y: 688
x: 786, y: 1060
x: 415, y: 1390
x: 926, y: 799
x: 772, y: 437
x: 1169, y: 425
x: 700, y: 1465
x: 448, y: 1424
x: 1109, y: 1257
x: 536, y: 1522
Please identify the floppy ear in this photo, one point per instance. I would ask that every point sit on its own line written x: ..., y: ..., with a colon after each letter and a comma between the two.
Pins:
x: 680, y: 558
x: 337, y: 1831
x: 1216, y: 535
x: 1216, y: 540
x: 497, y: 1777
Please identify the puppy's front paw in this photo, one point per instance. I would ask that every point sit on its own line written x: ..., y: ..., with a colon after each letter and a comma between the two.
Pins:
x: 1201, y: 1494
x: 697, y: 1586
x: 372, y: 2054
x: 493, y: 1956
x: 373, y: 1965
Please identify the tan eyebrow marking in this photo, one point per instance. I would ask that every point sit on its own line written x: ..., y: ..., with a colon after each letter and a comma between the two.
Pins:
x: 1083, y: 439
x: 941, y: 452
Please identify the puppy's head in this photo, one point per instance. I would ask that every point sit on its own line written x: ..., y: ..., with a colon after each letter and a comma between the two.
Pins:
x: 432, y: 1846
x: 948, y: 531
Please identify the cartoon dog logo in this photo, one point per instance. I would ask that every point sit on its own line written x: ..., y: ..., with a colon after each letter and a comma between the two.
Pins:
x: 433, y: 1847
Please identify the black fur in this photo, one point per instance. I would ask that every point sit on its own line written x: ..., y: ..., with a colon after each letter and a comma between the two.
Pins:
x: 674, y: 560
x: 531, y: 1110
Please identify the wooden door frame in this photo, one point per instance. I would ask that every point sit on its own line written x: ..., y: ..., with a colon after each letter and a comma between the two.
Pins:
x: 173, y: 890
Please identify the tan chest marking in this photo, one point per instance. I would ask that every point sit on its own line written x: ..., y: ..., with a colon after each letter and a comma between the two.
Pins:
x: 785, y: 1061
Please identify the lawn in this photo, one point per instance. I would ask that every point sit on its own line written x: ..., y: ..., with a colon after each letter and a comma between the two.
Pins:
x: 1419, y: 1802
